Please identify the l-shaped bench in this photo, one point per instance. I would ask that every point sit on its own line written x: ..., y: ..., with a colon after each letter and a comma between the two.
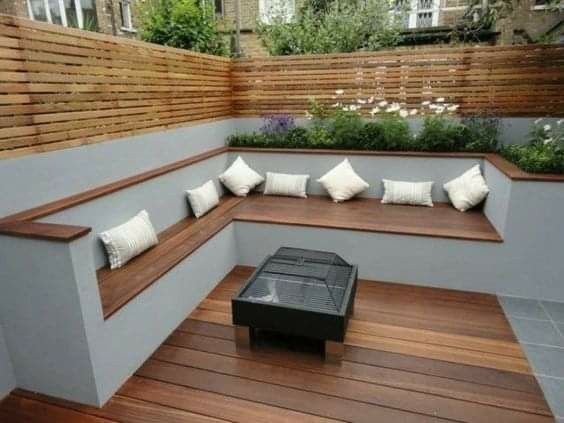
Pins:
x: 393, y: 243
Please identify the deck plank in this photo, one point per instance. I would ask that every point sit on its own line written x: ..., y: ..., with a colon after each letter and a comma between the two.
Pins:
x: 393, y: 368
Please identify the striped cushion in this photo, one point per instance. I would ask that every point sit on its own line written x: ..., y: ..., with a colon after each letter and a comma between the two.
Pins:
x: 129, y: 239
x: 283, y: 184
x: 413, y: 193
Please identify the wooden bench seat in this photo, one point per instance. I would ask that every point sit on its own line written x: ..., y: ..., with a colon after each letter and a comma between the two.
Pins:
x: 117, y: 287
x: 369, y: 214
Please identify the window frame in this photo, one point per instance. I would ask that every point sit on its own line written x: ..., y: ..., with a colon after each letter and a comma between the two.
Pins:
x: 415, y: 11
x: 222, y: 13
x: 64, y: 22
x: 126, y: 5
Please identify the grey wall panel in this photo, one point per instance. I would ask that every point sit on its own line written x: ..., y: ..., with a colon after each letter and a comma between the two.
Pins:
x: 41, y: 313
x: 535, y: 232
x: 39, y: 178
x: 122, y: 343
x: 163, y: 197
x: 513, y: 268
x: 496, y: 206
x: 516, y: 130
x: 371, y: 168
x: 7, y: 378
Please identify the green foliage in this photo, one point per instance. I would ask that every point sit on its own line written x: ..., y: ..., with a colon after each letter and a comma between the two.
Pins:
x: 188, y: 24
x: 474, y: 134
x: 545, y: 151
x: 441, y: 134
x: 347, y: 130
x: 536, y: 158
x: 396, y: 134
x: 332, y: 27
x: 481, y: 134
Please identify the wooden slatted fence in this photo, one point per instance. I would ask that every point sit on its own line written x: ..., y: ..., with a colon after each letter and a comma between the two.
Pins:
x: 504, y: 81
x: 63, y: 87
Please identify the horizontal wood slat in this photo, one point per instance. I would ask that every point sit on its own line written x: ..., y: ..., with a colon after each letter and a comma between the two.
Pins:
x: 505, y: 81
x: 62, y: 87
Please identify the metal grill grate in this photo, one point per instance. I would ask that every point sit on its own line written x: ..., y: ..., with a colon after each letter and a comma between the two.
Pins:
x: 314, y: 280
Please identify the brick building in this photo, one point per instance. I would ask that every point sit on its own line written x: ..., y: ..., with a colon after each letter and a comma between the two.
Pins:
x: 531, y: 20
x: 117, y: 17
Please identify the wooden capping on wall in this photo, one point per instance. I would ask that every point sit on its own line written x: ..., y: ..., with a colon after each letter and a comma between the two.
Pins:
x: 63, y: 87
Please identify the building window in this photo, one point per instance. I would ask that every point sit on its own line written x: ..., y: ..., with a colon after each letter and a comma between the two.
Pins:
x: 272, y: 9
x: 125, y: 13
x: 418, y: 13
x: 72, y: 13
x: 540, y: 3
x: 218, y: 6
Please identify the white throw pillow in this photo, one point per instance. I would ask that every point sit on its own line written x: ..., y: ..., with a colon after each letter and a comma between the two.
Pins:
x: 203, y: 198
x: 342, y: 183
x: 239, y: 178
x: 129, y: 239
x: 467, y: 190
x: 413, y: 193
x: 283, y: 184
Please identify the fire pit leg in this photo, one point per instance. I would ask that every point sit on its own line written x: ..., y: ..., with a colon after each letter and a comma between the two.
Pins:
x: 334, y: 351
x: 242, y: 337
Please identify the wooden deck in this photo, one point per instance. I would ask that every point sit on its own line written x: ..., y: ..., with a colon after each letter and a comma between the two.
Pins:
x: 412, y: 355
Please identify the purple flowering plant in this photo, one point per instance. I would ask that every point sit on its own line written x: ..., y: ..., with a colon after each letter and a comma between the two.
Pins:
x: 277, y: 124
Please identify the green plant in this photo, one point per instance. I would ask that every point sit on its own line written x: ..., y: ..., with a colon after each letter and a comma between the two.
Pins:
x: 319, y: 137
x: 345, y: 129
x: 440, y: 133
x: 188, y: 24
x: 536, y: 158
x: 396, y: 133
x: 482, y: 134
x: 545, y: 151
x: 332, y: 27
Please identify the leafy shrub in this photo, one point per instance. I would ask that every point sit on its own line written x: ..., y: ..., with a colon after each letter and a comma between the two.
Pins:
x: 441, y: 134
x: 332, y: 27
x: 188, y: 24
x: 346, y: 129
x: 536, y: 158
x: 545, y: 151
x: 396, y: 134
x: 482, y: 134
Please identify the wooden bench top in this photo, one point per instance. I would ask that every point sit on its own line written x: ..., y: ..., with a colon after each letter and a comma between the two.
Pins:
x: 117, y: 287
x: 369, y: 214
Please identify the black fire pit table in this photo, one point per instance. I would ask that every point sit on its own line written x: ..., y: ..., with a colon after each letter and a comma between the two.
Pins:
x: 298, y: 292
